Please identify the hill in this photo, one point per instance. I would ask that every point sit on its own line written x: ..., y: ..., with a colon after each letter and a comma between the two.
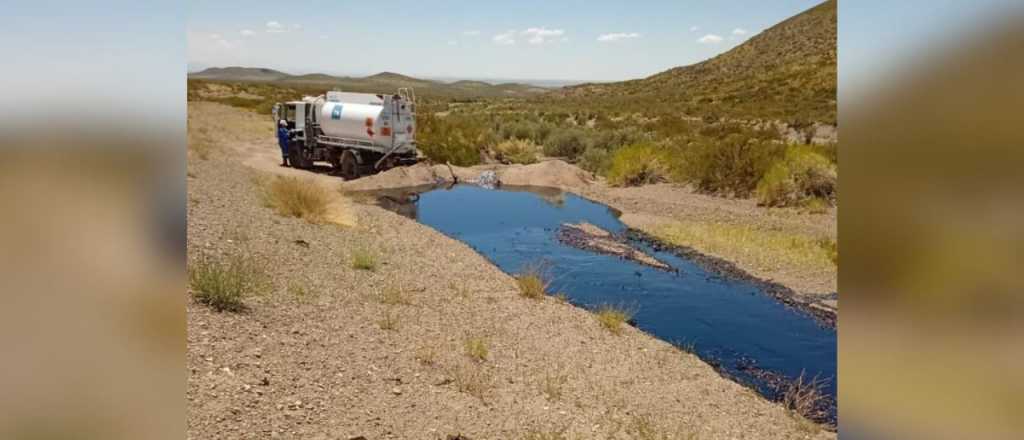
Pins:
x: 235, y: 73
x: 381, y: 82
x: 787, y: 73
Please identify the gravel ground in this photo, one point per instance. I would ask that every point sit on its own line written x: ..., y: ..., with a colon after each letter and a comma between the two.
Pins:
x: 312, y: 359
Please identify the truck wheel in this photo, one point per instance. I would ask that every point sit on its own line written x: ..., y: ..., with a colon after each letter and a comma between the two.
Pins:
x: 349, y: 165
x: 295, y: 156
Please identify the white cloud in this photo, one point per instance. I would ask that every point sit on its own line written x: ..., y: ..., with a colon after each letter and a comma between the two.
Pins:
x: 247, y: 33
x: 617, y: 36
x: 453, y: 43
x: 542, y: 35
x: 472, y: 33
x: 694, y: 28
x: 739, y: 31
x: 709, y: 39
x: 505, y: 39
x: 275, y: 27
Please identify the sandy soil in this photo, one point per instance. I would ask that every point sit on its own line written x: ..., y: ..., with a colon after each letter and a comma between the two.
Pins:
x: 324, y: 356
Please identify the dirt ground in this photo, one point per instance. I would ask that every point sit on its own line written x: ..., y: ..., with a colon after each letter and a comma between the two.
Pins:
x: 335, y: 352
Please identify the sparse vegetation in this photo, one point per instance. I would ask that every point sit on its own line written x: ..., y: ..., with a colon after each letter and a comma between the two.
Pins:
x: 389, y: 321
x: 764, y: 248
x: 476, y: 349
x: 552, y: 386
x: 518, y: 151
x: 426, y: 355
x: 800, y: 176
x: 222, y: 282
x: 293, y: 197
x: 638, y: 164
x: 393, y: 296
x: 831, y: 248
x: 612, y: 317
x: 804, y: 397
x: 364, y: 259
x: 471, y: 379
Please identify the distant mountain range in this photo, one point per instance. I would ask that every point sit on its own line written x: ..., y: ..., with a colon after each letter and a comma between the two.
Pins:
x: 384, y: 81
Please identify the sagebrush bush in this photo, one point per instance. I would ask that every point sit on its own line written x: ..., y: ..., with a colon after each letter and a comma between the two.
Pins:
x: 521, y: 151
x: 595, y: 160
x: 638, y: 164
x: 731, y: 166
x: 453, y: 139
x: 293, y: 197
x: 567, y: 143
x: 801, y: 175
x: 222, y: 282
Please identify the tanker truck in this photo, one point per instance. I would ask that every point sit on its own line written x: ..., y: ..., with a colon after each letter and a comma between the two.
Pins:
x: 356, y: 133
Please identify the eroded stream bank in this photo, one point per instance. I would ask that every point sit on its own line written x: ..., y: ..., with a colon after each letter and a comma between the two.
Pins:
x: 731, y: 323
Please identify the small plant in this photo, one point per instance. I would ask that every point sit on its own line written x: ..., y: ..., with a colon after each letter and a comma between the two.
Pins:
x: 292, y: 197
x: 612, y: 317
x: 298, y: 290
x: 393, y: 296
x: 831, y: 249
x: 472, y: 380
x: 804, y: 397
x: 389, y: 321
x: 552, y: 386
x: 426, y: 355
x: 561, y: 297
x: 363, y: 259
x: 476, y: 349
x: 532, y: 281
x: 222, y: 282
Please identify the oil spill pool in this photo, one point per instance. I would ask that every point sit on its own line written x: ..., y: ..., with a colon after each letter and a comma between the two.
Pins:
x: 727, y: 322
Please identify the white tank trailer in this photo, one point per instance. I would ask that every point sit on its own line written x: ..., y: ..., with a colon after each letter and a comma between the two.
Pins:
x: 357, y: 133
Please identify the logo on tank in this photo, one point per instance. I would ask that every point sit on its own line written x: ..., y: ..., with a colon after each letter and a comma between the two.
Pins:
x: 336, y: 112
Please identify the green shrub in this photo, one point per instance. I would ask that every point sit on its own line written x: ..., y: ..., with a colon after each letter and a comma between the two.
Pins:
x: 733, y: 165
x: 453, y: 139
x: 801, y: 175
x: 595, y: 160
x: 516, y: 151
x: 222, y: 282
x: 567, y: 143
x: 637, y: 164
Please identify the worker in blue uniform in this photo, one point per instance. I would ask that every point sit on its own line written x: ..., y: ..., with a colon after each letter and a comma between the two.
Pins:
x: 282, y: 141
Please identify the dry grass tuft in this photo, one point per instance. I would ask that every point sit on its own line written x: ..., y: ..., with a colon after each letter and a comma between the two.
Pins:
x: 472, y: 380
x: 612, y: 317
x: 393, y: 296
x: 476, y: 349
x: 533, y: 282
x: 389, y: 321
x: 293, y: 197
x: 552, y: 386
x: 804, y: 396
x: 222, y: 282
x: 426, y: 355
x: 363, y: 259
x: 765, y: 249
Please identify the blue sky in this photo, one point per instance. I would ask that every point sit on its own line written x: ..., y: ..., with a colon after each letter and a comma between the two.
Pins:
x: 530, y: 39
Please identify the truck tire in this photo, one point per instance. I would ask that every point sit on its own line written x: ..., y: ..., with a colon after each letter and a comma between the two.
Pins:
x: 295, y: 156
x: 349, y: 165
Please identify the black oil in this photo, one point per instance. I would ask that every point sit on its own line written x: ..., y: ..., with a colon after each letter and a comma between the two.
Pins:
x: 730, y: 323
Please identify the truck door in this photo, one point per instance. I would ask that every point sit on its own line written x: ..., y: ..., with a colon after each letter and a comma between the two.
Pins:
x: 300, y: 117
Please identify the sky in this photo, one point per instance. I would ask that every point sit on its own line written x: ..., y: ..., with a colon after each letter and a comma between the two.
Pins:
x: 529, y: 39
